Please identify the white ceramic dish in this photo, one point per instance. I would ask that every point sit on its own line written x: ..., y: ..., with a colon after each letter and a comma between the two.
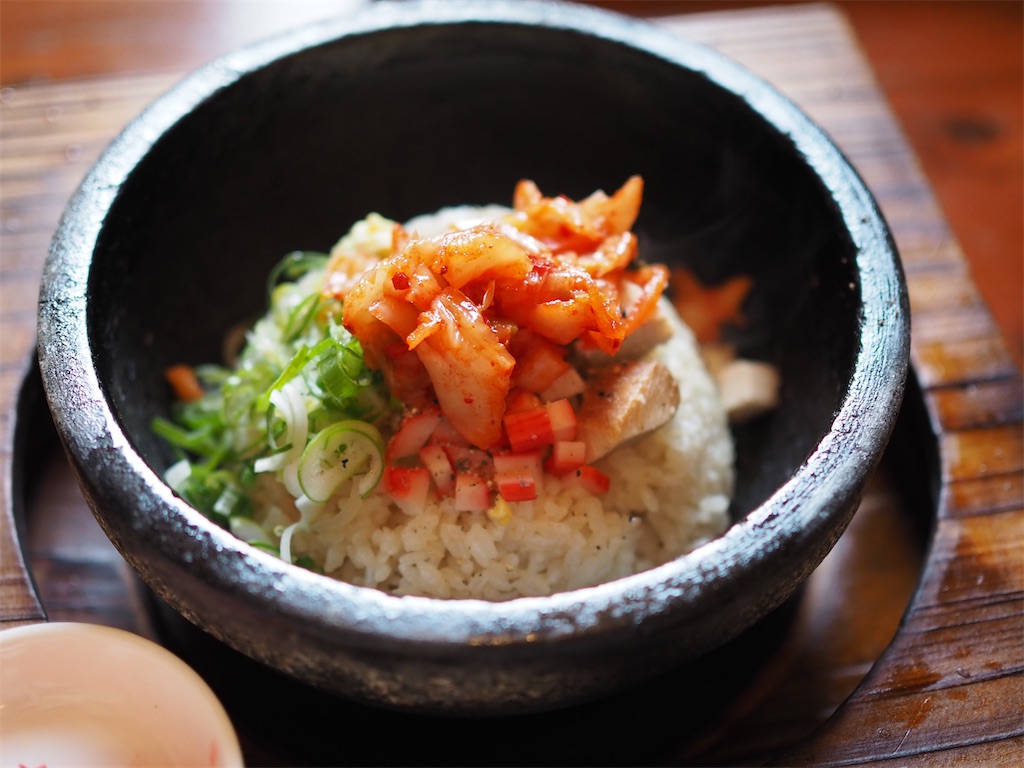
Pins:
x: 87, y: 695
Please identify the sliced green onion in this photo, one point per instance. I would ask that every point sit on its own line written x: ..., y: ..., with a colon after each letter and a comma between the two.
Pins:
x: 198, y: 441
x: 293, y: 266
x: 339, y: 371
x: 299, y: 318
x: 229, y: 502
x: 178, y: 473
x: 339, y: 453
x: 287, y: 405
x: 308, y: 512
x: 299, y: 361
x: 300, y: 371
x: 249, y: 530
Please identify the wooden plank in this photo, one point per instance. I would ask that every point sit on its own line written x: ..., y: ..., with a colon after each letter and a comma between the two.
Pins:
x: 979, y: 404
x: 959, y: 362
x: 970, y: 321
x: 984, y: 495
x: 983, y: 452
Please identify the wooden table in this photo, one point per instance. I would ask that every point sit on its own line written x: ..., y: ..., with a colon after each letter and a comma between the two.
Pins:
x: 906, y: 647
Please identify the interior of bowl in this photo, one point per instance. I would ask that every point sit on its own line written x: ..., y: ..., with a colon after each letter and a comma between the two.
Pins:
x: 407, y: 120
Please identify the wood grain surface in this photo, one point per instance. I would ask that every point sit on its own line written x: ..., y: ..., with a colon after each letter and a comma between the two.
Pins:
x: 905, y: 649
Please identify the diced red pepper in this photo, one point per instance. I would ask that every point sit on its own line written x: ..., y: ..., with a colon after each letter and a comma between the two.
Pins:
x: 185, y: 383
x: 566, y: 456
x: 413, y: 434
x: 408, y: 487
x: 590, y: 478
x: 563, y: 420
x: 529, y: 429
x: 436, y: 461
x: 516, y: 486
x: 528, y: 461
x: 471, y: 493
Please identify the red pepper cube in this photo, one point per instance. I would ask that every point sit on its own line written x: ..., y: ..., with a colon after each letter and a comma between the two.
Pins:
x: 563, y: 420
x: 471, y: 493
x: 516, y: 486
x: 528, y: 430
x: 436, y: 461
x: 593, y: 480
x: 566, y: 456
x: 529, y: 462
x: 407, y: 487
x: 414, y: 433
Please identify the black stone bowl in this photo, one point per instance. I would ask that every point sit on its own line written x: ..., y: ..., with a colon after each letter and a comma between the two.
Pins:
x: 403, y: 109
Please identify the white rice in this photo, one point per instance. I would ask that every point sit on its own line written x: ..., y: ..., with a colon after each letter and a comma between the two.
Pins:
x: 669, y: 493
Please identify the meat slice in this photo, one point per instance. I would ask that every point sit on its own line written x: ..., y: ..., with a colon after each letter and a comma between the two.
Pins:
x: 624, y: 401
x: 748, y: 388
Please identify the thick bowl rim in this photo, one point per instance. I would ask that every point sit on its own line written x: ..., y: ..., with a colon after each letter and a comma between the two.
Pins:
x: 809, y: 500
